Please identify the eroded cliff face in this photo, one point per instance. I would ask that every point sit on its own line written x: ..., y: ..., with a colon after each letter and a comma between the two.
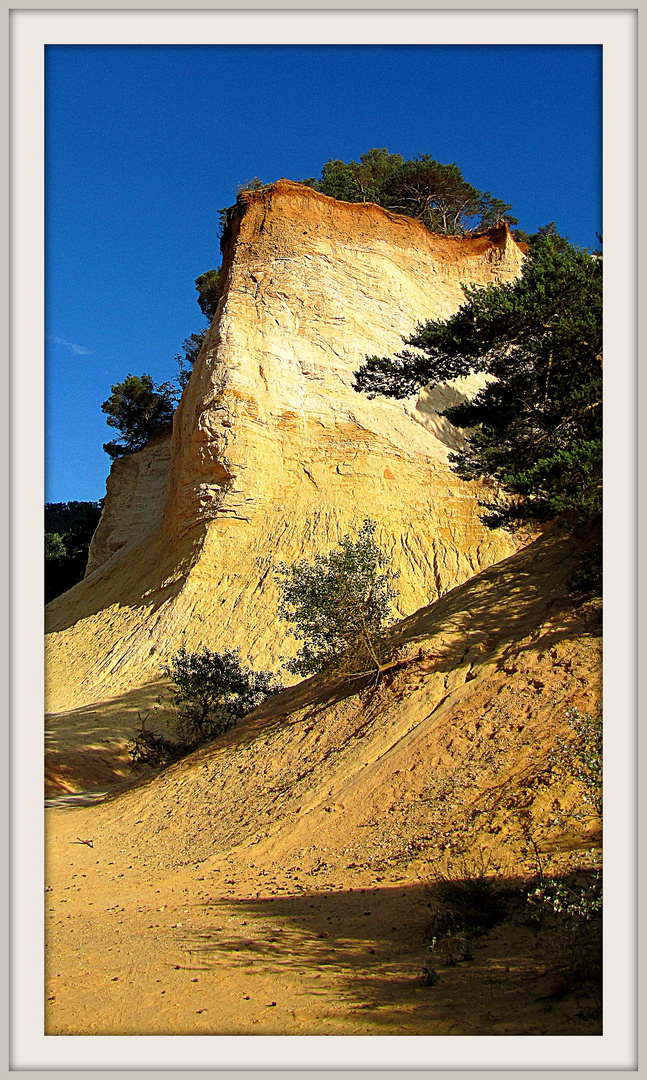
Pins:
x: 135, y: 499
x: 274, y: 456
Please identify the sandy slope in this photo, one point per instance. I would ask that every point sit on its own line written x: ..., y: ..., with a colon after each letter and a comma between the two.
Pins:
x: 278, y: 881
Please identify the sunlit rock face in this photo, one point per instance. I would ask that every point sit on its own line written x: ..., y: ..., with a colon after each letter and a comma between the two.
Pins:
x: 274, y: 457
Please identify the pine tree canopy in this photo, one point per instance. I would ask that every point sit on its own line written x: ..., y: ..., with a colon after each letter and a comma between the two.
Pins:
x: 420, y: 187
x: 138, y: 408
x: 209, y: 286
x: 536, y: 426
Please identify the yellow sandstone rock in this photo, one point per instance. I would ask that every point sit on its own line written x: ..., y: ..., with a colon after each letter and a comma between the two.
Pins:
x: 274, y: 456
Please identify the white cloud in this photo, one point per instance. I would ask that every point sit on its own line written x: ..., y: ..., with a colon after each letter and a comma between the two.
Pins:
x: 78, y: 350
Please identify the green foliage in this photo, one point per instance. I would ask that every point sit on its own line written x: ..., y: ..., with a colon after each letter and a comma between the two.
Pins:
x: 209, y: 286
x: 55, y: 549
x: 568, y: 911
x: 573, y: 900
x: 572, y: 905
x: 420, y: 187
x: 435, y: 194
x: 138, y: 408
x: 338, y: 603
x: 533, y: 240
x: 536, y: 427
x: 211, y: 691
x: 252, y: 185
x: 587, y: 579
x: 191, y: 348
x: 69, y: 527
x: 359, y: 181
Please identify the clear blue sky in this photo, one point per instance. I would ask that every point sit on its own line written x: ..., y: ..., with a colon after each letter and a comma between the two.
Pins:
x: 144, y: 144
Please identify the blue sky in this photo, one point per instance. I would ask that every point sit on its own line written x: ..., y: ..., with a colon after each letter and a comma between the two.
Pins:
x: 144, y: 144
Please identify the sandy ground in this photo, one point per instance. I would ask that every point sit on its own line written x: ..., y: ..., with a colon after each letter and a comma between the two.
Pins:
x: 229, y: 947
x: 285, y: 879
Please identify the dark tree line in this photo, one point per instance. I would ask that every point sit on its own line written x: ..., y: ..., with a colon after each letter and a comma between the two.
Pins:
x: 69, y: 527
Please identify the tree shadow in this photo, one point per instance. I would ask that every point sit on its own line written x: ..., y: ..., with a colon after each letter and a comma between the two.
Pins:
x: 86, y: 748
x: 369, y: 949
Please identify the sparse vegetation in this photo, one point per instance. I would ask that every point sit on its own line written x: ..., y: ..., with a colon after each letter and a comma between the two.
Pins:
x: 581, y: 755
x: 191, y: 348
x: 465, y: 902
x: 339, y: 603
x: 565, y: 912
x: 209, y: 286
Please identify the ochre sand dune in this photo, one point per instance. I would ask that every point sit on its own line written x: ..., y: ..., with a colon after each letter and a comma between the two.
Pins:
x: 276, y: 881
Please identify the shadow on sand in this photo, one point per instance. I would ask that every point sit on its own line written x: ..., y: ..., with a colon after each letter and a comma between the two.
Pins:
x: 370, y: 947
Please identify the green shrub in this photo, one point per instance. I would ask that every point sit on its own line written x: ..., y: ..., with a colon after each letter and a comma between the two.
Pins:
x: 568, y: 912
x: 209, y: 286
x: 211, y: 691
x: 138, y: 408
x: 338, y: 603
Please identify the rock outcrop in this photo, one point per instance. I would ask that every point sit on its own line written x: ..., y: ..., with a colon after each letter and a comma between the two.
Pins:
x: 135, y: 499
x: 274, y: 456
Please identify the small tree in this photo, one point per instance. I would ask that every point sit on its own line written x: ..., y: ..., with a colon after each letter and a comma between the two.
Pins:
x: 339, y: 602
x: 435, y: 194
x: 191, y: 348
x: 251, y: 185
x: 212, y: 690
x: 209, y: 286
x: 138, y: 408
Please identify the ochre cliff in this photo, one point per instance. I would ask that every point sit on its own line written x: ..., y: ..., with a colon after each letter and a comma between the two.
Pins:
x: 135, y: 499
x: 274, y: 456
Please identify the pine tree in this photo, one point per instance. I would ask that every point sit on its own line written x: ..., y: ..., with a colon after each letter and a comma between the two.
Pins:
x: 536, y: 427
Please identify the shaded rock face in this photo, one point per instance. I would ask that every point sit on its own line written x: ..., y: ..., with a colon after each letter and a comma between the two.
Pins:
x: 135, y: 499
x: 274, y: 456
